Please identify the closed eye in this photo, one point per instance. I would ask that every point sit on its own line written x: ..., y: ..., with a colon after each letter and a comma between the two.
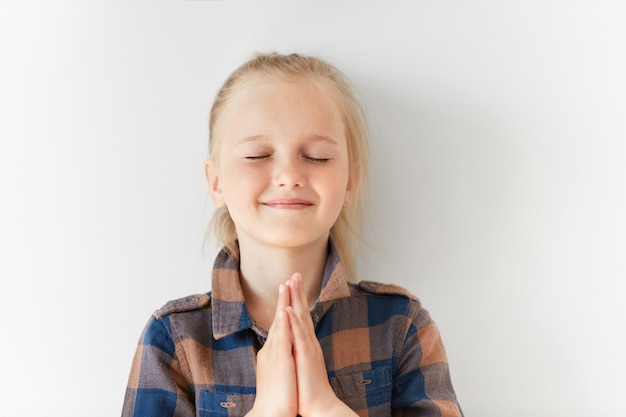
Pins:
x: 256, y: 157
x: 317, y: 160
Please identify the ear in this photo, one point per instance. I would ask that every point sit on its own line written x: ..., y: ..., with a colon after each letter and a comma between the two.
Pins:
x: 211, y: 172
x: 349, y: 196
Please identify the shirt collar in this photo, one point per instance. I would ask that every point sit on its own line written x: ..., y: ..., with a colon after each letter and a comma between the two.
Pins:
x: 228, y: 305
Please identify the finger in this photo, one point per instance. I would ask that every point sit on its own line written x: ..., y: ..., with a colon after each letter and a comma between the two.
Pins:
x: 282, y: 303
x: 280, y: 336
x: 300, y: 305
x: 303, y: 298
x: 298, y: 297
x: 298, y: 329
x: 283, y: 299
x: 284, y: 334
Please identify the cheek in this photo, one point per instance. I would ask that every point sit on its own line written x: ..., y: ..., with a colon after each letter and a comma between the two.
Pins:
x: 337, y: 185
x: 242, y: 181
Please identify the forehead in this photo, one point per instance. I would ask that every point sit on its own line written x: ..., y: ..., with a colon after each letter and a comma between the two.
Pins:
x: 271, y: 106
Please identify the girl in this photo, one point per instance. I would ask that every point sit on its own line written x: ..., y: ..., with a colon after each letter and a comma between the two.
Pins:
x: 284, y: 332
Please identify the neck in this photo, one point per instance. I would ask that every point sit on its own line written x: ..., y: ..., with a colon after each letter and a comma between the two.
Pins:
x: 264, y: 268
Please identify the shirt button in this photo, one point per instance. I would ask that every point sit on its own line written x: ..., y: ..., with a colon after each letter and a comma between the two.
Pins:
x: 315, y: 317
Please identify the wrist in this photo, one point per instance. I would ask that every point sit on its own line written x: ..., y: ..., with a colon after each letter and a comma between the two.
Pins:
x: 334, y: 408
x: 257, y: 412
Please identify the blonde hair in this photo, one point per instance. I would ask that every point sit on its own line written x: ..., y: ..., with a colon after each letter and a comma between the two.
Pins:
x: 291, y: 68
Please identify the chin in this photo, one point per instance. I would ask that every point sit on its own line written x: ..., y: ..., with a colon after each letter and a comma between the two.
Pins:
x: 294, y: 241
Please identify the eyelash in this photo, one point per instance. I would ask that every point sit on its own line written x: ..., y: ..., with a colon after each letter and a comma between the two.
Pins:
x: 308, y: 158
x: 317, y: 160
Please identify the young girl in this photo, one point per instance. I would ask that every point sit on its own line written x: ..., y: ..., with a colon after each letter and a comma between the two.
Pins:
x: 284, y: 331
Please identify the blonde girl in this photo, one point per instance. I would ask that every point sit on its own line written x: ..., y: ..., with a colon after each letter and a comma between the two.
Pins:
x: 285, y: 331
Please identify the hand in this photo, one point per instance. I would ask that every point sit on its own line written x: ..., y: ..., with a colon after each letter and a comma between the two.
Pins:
x: 315, y: 395
x: 276, y: 371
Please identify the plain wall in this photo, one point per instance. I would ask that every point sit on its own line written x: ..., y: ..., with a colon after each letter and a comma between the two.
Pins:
x: 498, y: 183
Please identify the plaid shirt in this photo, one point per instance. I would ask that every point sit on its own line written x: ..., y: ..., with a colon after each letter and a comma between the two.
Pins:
x: 383, y: 353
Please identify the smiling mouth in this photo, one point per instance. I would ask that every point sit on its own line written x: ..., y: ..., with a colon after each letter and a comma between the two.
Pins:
x: 288, y: 204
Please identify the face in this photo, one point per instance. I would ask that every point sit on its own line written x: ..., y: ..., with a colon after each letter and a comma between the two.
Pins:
x: 282, y: 164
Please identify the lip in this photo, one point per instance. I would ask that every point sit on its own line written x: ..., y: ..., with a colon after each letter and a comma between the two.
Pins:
x: 288, y: 203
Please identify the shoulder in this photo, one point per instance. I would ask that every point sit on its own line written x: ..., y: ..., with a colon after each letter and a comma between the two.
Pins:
x: 393, y: 299
x: 189, y: 303
x: 380, y: 289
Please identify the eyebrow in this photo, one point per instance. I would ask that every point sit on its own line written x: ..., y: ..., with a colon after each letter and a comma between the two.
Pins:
x: 247, y: 139
x: 322, y: 138
x: 312, y: 137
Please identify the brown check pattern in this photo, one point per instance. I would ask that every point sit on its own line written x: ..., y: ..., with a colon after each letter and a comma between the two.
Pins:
x: 383, y: 353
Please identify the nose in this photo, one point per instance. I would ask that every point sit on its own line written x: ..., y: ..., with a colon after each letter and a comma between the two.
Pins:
x: 289, y: 173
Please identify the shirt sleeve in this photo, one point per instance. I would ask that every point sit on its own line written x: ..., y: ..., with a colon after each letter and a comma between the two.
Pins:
x: 157, y: 386
x: 422, y: 385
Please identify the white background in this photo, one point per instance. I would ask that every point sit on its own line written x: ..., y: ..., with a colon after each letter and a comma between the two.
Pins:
x: 498, y: 192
